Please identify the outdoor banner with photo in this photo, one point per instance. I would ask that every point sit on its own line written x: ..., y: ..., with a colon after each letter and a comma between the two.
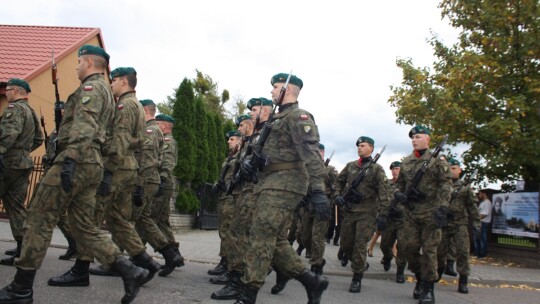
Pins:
x: 515, y: 218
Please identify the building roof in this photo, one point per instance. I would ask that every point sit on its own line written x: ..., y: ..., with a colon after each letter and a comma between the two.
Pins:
x: 25, y: 51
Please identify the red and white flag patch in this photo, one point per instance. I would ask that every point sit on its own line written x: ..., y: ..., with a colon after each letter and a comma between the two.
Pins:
x: 11, y: 105
x: 149, y: 131
x: 304, y: 117
x: 120, y: 106
x: 166, y: 139
x: 88, y: 88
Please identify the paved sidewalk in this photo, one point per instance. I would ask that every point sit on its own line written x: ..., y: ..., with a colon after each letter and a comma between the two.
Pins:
x: 202, y: 246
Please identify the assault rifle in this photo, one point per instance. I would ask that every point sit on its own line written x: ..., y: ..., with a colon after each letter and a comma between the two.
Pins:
x: 412, y: 192
x: 351, y: 195
x: 42, y: 120
x: 327, y: 161
x: 58, y: 105
x: 466, y: 183
x: 220, y: 184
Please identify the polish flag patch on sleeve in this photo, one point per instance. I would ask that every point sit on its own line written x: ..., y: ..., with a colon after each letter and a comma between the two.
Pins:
x: 88, y: 88
x: 166, y: 139
x: 149, y: 131
x: 120, y: 106
x: 304, y: 117
x: 11, y: 105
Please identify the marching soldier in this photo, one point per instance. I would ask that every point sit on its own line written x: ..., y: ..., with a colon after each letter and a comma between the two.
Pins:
x: 422, y: 226
x: 371, y: 197
x: 294, y: 163
x: 20, y: 134
x: 462, y: 210
x: 71, y: 184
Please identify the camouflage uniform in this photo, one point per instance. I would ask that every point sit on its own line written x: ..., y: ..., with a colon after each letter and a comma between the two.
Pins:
x: 19, y: 135
x: 314, y: 230
x: 393, y: 233
x: 122, y: 139
x: 149, y: 158
x: 226, y: 207
x: 82, y: 133
x: 161, y: 209
x: 359, y: 221
x: 419, y: 227
x: 295, y: 163
x: 462, y: 211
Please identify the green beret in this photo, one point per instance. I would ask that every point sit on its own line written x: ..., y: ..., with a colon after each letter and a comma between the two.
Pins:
x: 241, y: 118
x: 453, y: 162
x: 282, y: 78
x: 321, y: 146
x: 233, y: 133
x: 258, y: 101
x: 88, y: 49
x: 419, y: 129
x: 362, y: 139
x: 119, y: 72
x: 19, y: 83
x: 147, y: 102
x: 396, y: 164
x: 165, y: 117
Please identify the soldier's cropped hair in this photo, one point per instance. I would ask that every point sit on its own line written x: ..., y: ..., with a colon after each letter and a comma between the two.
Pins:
x: 132, y: 80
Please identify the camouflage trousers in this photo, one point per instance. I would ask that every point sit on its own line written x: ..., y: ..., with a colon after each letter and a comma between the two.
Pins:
x: 141, y: 218
x: 420, y: 233
x: 244, y: 207
x: 226, y: 218
x: 267, y: 243
x: 161, y: 211
x: 13, y: 190
x: 313, y: 237
x: 460, y: 235
x: 50, y: 201
x: 63, y: 225
x: 451, y: 254
x: 356, y: 231
x: 393, y: 233
x: 295, y: 226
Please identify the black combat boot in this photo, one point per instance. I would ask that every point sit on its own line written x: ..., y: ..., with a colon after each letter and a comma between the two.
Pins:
x: 315, y: 285
x: 10, y: 260
x: 77, y: 276
x: 300, y: 249
x: 248, y: 295
x: 428, y: 294
x: 281, y: 282
x: 462, y: 286
x: 387, y: 263
x: 232, y: 289
x: 132, y: 276
x: 440, y: 272
x: 102, y: 271
x: 221, y: 279
x: 356, y: 283
x: 20, y: 290
x: 71, y: 251
x: 450, y: 269
x: 145, y: 261
x: 220, y: 269
x: 419, y: 287
x: 172, y: 260
x: 400, y: 276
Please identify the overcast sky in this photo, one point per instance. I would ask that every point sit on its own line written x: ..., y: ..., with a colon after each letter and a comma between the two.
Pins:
x: 344, y: 51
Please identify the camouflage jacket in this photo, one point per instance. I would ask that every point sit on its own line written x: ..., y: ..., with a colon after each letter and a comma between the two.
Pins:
x: 149, y: 155
x: 87, y: 113
x: 20, y: 134
x: 228, y: 164
x: 463, y: 208
x: 329, y: 181
x: 436, y: 183
x: 169, y: 158
x: 374, y: 187
x: 124, y: 135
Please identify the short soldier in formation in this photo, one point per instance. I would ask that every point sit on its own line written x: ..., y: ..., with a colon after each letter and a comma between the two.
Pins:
x: 71, y: 184
x: 20, y: 134
x: 370, y: 198
x: 294, y: 163
x: 462, y: 212
x: 226, y: 201
x: 423, y: 222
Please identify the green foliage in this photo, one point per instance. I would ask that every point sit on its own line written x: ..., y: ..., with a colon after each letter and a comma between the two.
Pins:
x: 211, y: 134
x: 186, y: 201
x: 207, y: 90
x: 202, y: 143
x: 166, y: 107
x: 183, y: 131
x: 484, y: 90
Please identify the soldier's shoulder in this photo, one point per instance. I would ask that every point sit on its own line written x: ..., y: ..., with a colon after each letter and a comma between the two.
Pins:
x: 299, y: 114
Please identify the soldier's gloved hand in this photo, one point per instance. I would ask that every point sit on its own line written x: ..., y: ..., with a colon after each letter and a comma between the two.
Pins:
x: 105, y: 185
x: 66, y: 174
x: 340, y: 201
x: 381, y: 222
x: 138, y: 196
x: 401, y: 198
x: 161, y: 189
x: 395, y: 213
x: 440, y: 216
x: 321, y: 207
x: 246, y: 167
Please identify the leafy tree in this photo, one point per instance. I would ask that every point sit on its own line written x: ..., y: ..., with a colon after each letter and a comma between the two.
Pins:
x: 211, y: 134
x: 207, y: 89
x: 202, y: 143
x: 183, y: 131
x: 167, y: 106
x: 484, y: 90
